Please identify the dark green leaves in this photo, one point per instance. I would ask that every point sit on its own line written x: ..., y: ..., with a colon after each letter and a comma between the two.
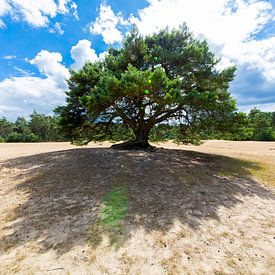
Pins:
x: 166, y: 76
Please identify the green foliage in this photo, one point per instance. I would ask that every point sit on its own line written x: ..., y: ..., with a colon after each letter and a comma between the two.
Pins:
x: 45, y: 127
x: 38, y: 128
x: 39, y: 125
x: 166, y: 77
x: 257, y: 125
x: 21, y: 126
x: 120, y: 132
x: 163, y: 132
x: 22, y: 137
x: 262, y: 125
x: 6, y: 127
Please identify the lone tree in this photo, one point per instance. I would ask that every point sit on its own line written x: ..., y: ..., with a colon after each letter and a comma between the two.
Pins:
x: 167, y: 77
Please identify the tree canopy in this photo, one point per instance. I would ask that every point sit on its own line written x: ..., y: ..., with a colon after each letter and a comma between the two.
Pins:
x: 262, y: 125
x: 167, y: 77
x: 38, y: 128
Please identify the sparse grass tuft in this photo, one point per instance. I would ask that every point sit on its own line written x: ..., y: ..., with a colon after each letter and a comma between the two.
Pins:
x: 171, y: 264
x: 266, y: 174
x: 233, y: 167
x: 111, y: 218
x: 242, y: 168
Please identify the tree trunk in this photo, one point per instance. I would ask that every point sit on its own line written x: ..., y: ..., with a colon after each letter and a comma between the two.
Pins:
x: 139, y: 143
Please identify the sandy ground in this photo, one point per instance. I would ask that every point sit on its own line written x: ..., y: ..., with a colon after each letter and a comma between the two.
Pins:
x: 191, y: 210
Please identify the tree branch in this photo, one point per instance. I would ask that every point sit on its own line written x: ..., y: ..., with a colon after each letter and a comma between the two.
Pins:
x: 124, y: 117
x: 167, y: 115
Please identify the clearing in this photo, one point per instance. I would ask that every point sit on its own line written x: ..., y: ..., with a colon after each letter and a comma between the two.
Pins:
x: 179, y: 210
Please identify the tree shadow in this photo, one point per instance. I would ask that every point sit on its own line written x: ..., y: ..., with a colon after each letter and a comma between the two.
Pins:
x: 64, y: 192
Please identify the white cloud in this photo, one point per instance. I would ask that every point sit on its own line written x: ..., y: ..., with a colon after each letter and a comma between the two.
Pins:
x: 83, y: 52
x: 107, y: 23
x: 28, y: 86
x: 67, y: 6
x: 4, y: 109
x: 63, y: 5
x: 4, y: 9
x: 57, y: 29
x: 49, y: 64
x: 229, y: 25
x: 218, y: 20
x: 22, y: 72
x: 268, y: 107
x: 103, y: 55
x: 35, y: 12
x: 9, y: 57
x: 256, y: 55
x: 21, y: 95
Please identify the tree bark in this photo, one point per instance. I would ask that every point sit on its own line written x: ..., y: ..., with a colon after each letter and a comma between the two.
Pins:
x: 141, y: 141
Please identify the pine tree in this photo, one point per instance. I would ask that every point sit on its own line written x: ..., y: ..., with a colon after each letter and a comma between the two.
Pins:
x: 167, y: 77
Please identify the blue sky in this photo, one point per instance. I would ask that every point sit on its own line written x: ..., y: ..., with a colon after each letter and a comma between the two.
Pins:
x: 40, y: 40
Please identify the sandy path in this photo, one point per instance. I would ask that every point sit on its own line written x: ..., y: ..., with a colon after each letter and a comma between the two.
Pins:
x: 186, y: 215
x: 15, y: 150
x: 228, y: 148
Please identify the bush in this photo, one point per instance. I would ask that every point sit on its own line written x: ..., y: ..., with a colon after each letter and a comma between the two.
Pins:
x: 2, y: 139
x: 266, y: 135
x: 16, y: 137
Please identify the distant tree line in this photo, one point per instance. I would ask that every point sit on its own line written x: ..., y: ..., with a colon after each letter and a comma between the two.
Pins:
x: 41, y: 128
x: 257, y: 125
x: 38, y: 128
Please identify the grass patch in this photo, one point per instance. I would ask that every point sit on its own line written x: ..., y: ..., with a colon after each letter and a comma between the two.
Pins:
x: 236, y: 168
x: 266, y: 174
x: 111, y: 218
x: 243, y: 168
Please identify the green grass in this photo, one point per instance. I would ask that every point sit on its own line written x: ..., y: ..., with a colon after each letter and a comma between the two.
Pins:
x: 115, y: 208
x: 111, y: 218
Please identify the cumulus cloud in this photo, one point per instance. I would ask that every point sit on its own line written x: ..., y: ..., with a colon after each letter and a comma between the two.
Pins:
x: 83, y: 52
x: 102, y: 55
x: 250, y: 89
x: 229, y: 25
x: 235, y: 30
x: 219, y: 20
x: 26, y: 87
x: 21, y: 95
x: 49, y: 64
x: 256, y: 54
x: 35, y: 12
x: 107, y: 24
x: 65, y: 5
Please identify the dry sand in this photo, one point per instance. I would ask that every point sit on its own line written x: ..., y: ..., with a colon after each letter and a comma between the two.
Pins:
x: 190, y: 210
